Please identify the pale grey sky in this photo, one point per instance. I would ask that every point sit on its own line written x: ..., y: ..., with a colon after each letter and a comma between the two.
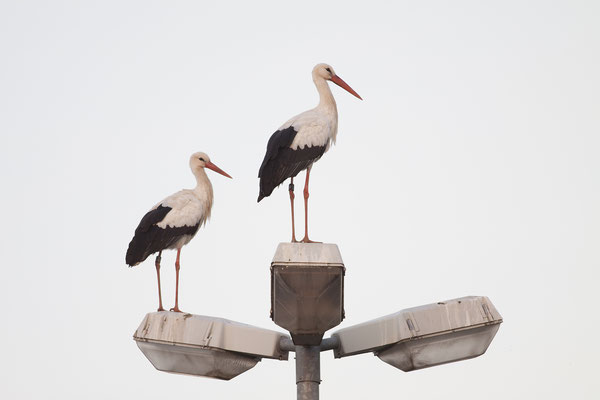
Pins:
x: 470, y: 168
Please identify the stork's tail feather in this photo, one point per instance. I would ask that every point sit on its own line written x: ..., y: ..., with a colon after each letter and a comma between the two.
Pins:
x: 264, y: 192
x: 261, y: 196
x: 136, y: 253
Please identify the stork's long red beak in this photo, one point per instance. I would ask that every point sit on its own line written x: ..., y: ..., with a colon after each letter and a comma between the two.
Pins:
x: 212, y: 166
x: 340, y: 82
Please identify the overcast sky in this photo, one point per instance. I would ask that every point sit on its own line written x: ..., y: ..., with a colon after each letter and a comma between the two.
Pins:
x: 471, y: 168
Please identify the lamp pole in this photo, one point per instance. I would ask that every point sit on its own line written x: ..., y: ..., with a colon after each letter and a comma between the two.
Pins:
x: 308, y: 372
x: 308, y: 365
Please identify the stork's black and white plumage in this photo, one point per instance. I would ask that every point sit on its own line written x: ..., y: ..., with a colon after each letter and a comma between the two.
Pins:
x: 301, y: 141
x: 173, y: 222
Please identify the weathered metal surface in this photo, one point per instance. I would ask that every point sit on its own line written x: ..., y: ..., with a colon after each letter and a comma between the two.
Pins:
x: 207, y: 362
x: 308, y: 253
x: 307, y: 290
x: 427, y: 335
x: 439, y: 349
x: 204, y: 331
x: 205, y: 346
x: 308, y: 372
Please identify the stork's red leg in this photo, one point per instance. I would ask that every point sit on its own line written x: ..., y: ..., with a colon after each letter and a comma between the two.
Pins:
x: 306, y: 239
x: 157, y: 264
x: 291, y: 188
x: 176, y: 308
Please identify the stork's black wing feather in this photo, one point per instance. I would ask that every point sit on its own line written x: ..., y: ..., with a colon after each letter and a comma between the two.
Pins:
x: 150, y: 238
x: 152, y: 217
x: 281, y: 139
x: 145, y: 235
x: 281, y: 162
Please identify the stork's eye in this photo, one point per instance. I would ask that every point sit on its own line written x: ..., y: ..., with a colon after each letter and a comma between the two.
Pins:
x: 202, y: 159
x: 328, y: 70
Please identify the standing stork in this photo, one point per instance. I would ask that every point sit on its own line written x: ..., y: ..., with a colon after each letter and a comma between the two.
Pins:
x: 173, y: 222
x: 301, y: 141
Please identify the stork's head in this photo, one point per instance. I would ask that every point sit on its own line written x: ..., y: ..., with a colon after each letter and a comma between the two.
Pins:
x: 325, y: 71
x: 201, y: 160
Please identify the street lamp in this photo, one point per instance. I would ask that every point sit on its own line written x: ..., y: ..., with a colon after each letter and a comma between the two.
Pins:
x: 425, y: 336
x: 307, y: 299
x: 307, y: 290
x: 205, y: 346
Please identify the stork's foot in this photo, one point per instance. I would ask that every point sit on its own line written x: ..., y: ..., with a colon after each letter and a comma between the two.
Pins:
x: 160, y: 309
x: 307, y: 240
x: 175, y: 309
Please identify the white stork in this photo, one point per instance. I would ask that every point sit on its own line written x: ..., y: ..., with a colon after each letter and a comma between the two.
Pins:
x: 301, y: 141
x: 173, y: 222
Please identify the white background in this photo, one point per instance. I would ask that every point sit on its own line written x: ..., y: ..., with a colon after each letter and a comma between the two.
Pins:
x: 470, y: 168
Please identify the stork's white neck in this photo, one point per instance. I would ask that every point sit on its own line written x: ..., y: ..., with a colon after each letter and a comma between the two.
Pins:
x: 203, y: 187
x: 326, y: 99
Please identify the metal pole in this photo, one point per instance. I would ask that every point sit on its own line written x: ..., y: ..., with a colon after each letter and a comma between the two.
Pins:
x: 308, y: 372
